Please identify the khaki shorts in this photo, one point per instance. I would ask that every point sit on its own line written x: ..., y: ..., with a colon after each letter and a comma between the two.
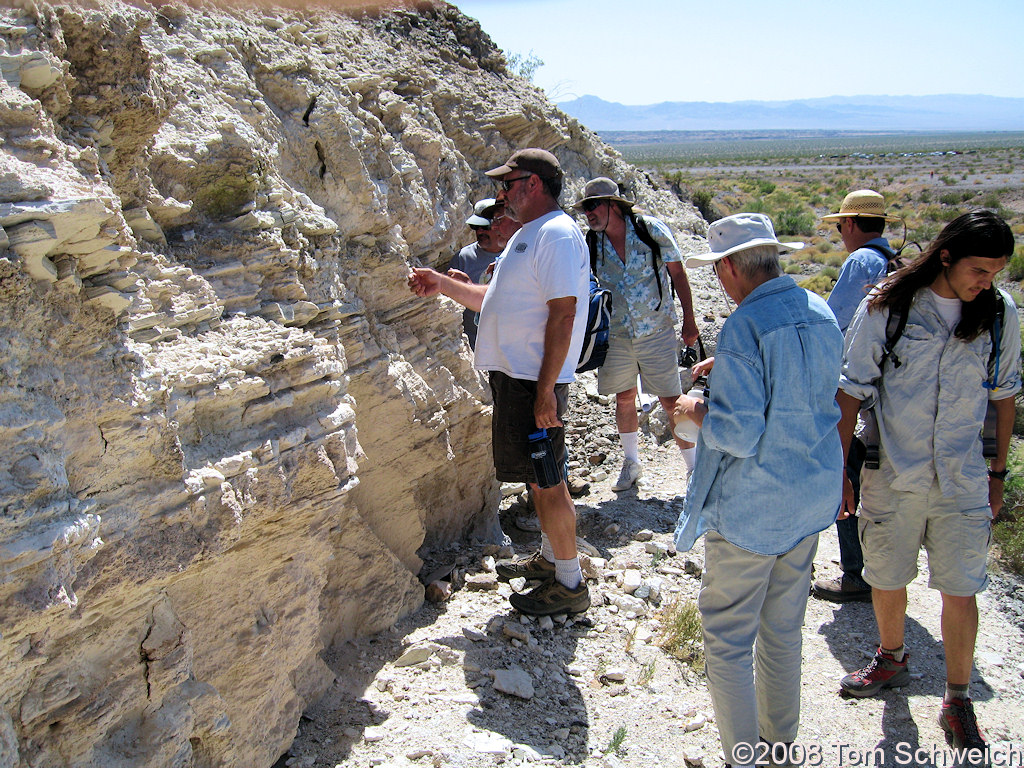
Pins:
x: 655, y: 358
x: 955, y: 539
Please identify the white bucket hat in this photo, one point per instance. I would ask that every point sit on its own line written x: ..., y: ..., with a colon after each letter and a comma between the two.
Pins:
x: 482, y: 213
x: 738, y: 233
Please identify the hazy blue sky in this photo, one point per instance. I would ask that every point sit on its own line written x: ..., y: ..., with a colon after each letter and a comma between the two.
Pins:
x: 648, y: 51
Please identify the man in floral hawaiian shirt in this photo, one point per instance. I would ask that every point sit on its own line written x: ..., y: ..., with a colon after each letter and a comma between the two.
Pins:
x: 642, y: 339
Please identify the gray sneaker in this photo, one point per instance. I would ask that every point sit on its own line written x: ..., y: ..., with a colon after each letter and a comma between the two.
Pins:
x: 630, y: 473
x: 552, y: 597
x: 529, y: 567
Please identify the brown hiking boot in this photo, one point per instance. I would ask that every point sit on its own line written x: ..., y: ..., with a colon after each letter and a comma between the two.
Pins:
x: 552, y: 597
x: 841, y: 589
x: 529, y: 567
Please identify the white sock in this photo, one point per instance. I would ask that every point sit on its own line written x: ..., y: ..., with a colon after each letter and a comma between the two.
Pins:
x: 568, y: 573
x: 689, y: 456
x: 545, y: 548
x: 630, y: 445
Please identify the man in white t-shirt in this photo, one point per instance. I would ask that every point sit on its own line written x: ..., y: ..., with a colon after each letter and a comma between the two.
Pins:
x: 532, y: 319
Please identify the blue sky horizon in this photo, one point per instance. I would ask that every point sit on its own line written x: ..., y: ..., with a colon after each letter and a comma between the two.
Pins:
x: 744, y: 50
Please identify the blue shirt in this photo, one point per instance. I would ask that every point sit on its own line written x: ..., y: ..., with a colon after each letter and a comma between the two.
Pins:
x: 769, y: 467
x: 862, y: 270
x: 634, y: 286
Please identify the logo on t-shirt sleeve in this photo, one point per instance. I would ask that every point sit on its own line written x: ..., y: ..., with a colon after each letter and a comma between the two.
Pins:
x: 521, y: 247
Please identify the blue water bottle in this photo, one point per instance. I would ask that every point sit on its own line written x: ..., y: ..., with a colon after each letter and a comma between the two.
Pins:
x: 542, y: 455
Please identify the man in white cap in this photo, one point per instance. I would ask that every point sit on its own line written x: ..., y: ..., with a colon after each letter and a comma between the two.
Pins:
x: 861, y: 221
x: 533, y: 314
x: 492, y: 229
x: 767, y: 479
x: 636, y: 257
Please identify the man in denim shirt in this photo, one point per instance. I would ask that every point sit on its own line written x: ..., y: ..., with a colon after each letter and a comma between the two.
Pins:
x: 768, y: 478
x: 861, y: 220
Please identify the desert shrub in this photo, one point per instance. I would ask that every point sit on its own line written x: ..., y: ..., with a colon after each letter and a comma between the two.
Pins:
x: 1015, y: 267
x: 1008, y: 530
x: 681, y: 635
x: 947, y: 180
x: 824, y: 246
x: 794, y: 221
x: 820, y: 283
x: 791, y: 268
x: 765, y: 187
x: 925, y: 196
x: 950, y: 198
x: 835, y: 260
x: 703, y: 198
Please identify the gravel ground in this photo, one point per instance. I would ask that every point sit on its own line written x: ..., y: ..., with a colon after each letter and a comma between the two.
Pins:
x: 599, y: 691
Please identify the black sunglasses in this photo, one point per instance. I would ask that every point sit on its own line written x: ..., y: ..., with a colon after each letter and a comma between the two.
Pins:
x: 506, y: 184
x: 591, y: 205
x: 479, y: 227
x: 839, y: 226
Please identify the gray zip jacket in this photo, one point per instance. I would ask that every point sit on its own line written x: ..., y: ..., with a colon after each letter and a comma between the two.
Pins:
x: 931, y: 409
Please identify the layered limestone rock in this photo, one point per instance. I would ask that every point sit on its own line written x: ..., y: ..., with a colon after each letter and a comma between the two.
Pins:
x: 228, y: 429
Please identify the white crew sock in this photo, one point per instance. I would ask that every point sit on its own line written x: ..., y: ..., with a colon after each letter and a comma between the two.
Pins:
x: 545, y: 548
x: 568, y: 573
x: 689, y: 456
x: 630, y: 445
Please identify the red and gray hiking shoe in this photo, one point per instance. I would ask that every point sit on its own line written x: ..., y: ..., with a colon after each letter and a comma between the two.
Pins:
x: 957, y: 719
x: 883, y: 672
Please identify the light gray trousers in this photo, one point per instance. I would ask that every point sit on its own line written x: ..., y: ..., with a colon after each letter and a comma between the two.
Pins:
x: 752, y: 608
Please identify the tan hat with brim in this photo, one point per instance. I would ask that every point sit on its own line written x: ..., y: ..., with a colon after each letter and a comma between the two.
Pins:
x: 602, y: 188
x: 863, y: 202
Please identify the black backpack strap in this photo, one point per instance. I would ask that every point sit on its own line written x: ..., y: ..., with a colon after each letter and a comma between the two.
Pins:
x: 642, y: 232
x: 892, y: 258
x: 894, y: 328
x: 592, y: 245
x: 997, y: 336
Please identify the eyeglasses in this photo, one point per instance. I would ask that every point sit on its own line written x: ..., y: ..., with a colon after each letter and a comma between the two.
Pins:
x: 591, y: 205
x: 839, y: 226
x: 506, y: 184
x: 479, y: 228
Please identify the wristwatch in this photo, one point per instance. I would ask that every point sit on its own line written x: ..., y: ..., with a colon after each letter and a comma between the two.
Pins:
x: 1000, y: 475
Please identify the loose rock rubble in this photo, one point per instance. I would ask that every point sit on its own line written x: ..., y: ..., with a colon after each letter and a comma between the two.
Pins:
x: 597, y: 689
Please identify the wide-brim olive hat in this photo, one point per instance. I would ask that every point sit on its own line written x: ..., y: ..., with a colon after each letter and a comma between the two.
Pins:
x: 602, y: 188
x: 862, y: 202
x: 738, y: 233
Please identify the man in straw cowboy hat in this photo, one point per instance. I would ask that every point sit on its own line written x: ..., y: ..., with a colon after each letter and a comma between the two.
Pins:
x: 642, y: 336
x: 767, y: 479
x: 861, y: 221
x: 533, y: 314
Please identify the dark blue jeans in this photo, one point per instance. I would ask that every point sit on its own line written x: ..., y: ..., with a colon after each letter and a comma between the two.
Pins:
x: 850, y: 556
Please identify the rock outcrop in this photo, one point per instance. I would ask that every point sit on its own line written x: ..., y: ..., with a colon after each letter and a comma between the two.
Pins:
x: 228, y: 429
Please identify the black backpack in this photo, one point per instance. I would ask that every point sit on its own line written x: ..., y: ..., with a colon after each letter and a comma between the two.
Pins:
x: 599, y: 321
x: 644, y: 234
x: 893, y: 259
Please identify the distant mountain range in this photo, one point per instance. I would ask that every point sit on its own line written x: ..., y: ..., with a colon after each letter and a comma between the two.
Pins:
x: 844, y: 113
